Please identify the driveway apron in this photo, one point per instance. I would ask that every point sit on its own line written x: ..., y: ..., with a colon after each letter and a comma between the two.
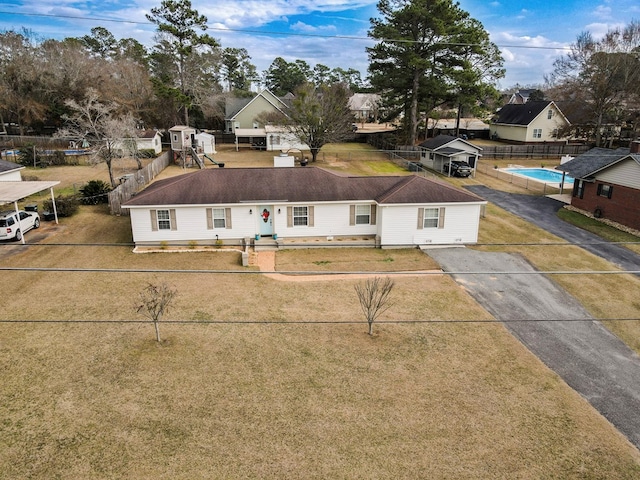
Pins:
x: 541, y: 211
x: 555, y: 327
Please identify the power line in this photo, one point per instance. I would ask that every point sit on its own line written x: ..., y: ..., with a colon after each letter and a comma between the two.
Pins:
x: 327, y: 322
x: 289, y: 34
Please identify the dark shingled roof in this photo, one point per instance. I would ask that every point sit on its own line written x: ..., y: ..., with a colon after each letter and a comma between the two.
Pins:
x: 515, y: 114
x: 437, y: 142
x: 8, y: 166
x: 594, y: 160
x: 295, y: 184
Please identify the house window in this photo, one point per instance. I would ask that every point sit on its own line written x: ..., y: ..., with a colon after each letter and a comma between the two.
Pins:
x: 164, y: 220
x: 579, y: 189
x: 605, y: 190
x: 275, y: 140
x: 219, y: 218
x: 363, y: 214
x: 300, y: 216
x: 537, y: 133
x: 431, y: 217
x: 550, y: 114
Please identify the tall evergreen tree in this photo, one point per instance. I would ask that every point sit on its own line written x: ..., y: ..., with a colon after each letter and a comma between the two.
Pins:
x: 178, y: 75
x: 424, y: 56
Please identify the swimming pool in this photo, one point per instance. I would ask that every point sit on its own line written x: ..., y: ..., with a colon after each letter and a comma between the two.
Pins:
x: 541, y: 174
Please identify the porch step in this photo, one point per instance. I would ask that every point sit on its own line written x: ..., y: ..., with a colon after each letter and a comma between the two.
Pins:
x: 265, y: 244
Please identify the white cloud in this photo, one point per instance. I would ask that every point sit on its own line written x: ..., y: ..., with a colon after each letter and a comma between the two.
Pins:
x: 306, y: 28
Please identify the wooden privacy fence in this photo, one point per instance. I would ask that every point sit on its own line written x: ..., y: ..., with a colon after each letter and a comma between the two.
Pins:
x: 136, y: 182
x: 532, y: 151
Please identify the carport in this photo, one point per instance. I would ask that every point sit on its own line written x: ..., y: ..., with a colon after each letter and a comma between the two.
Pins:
x: 12, y: 192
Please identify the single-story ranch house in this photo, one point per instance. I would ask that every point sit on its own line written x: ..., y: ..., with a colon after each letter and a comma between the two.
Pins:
x: 607, y: 183
x: 290, y: 204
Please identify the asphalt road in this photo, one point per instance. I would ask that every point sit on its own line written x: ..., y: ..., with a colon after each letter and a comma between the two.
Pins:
x: 542, y: 315
x: 547, y: 320
x: 541, y: 211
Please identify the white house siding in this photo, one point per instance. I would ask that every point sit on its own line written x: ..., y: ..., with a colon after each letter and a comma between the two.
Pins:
x: 191, y: 223
x: 625, y: 173
x: 11, y: 176
x: 547, y: 125
x: 400, y: 225
x: 283, y: 141
x: 510, y: 132
x: 328, y: 220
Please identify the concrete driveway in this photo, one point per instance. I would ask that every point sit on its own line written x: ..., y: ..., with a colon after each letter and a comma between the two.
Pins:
x: 544, y: 317
x: 541, y: 211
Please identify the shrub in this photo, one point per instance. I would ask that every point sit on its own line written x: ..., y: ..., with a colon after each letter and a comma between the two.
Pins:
x: 95, y: 192
x: 66, y: 205
x: 29, y: 155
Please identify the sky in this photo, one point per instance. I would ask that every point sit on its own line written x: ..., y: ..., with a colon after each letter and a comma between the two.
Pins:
x: 530, y: 34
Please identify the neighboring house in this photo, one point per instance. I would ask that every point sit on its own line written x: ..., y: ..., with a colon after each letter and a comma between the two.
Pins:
x: 533, y: 122
x: 435, y: 152
x: 271, y: 138
x: 469, y: 127
x: 607, y: 183
x: 293, y: 204
x: 149, y: 140
x: 364, y: 107
x: 521, y: 97
x: 10, y: 172
x: 206, y: 143
x: 145, y: 140
x: 244, y: 112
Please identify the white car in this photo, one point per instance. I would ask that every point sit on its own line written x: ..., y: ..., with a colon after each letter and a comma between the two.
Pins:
x: 10, y: 228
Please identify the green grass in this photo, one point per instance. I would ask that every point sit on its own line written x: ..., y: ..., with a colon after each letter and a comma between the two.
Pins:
x: 606, y: 232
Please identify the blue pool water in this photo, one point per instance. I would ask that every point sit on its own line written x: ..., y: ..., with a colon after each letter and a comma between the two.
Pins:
x: 541, y: 174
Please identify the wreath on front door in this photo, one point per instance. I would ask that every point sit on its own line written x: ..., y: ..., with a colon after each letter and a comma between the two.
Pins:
x: 265, y: 215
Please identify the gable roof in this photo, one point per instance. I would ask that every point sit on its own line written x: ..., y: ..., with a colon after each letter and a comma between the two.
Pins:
x: 595, y: 160
x: 295, y: 184
x: 265, y: 94
x: 517, y: 114
x: 437, y: 143
x: 147, y: 133
x: 9, y: 166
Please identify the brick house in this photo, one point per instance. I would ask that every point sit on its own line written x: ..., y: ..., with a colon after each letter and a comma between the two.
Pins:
x: 607, y: 183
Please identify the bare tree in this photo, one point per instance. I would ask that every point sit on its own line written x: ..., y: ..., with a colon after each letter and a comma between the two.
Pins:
x: 374, y: 296
x: 155, y: 301
x: 95, y: 124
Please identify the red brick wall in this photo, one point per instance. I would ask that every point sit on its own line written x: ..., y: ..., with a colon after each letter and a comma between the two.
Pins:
x: 623, y: 206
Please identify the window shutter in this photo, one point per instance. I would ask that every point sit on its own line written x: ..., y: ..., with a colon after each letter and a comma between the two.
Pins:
x: 352, y: 214
x: 172, y: 216
x: 441, y: 218
x: 599, y: 191
x: 154, y: 221
x: 420, y: 218
x: 374, y: 212
x: 289, y: 217
x: 310, y: 216
x: 209, y: 218
x: 227, y: 218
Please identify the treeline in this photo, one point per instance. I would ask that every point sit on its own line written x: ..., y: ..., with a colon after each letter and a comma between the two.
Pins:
x: 184, y: 78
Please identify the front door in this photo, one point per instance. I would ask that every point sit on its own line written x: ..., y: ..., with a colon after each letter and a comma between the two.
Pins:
x: 266, y: 220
